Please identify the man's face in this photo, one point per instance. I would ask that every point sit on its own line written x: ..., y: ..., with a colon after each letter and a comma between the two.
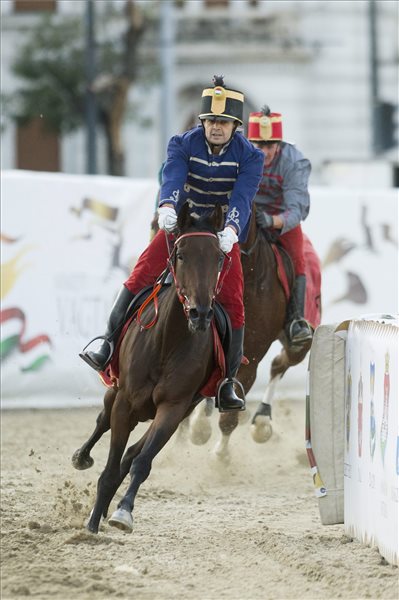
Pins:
x: 269, y: 149
x: 218, y: 132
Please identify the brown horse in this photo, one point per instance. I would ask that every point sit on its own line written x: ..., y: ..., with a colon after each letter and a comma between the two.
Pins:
x: 265, y: 313
x: 161, y: 369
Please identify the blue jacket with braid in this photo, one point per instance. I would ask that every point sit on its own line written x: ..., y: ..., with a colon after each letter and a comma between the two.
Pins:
x: 193, y: 174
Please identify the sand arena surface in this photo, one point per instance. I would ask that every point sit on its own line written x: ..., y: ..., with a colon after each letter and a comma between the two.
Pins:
x: 203, y: 530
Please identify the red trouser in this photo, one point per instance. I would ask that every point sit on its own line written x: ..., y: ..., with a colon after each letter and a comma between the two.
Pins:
x: 292, y: 241
x: 154, y: 260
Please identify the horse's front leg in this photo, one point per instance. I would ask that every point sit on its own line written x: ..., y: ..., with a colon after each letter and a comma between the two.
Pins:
x: 200, y: 428
x: 110, y: 478
x: 165, y: 423
x: 81, y: 458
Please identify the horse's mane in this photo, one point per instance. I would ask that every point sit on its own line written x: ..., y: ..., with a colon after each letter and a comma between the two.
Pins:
x: 263, y: 251
x: 263, y: 258
x: 204, y: 222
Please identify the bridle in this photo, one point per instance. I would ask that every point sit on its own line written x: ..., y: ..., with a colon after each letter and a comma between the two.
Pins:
x: 171, y: 268
x: 172, y: 261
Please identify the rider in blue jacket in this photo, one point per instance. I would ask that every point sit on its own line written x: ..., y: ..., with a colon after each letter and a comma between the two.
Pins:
x: 212, y: 164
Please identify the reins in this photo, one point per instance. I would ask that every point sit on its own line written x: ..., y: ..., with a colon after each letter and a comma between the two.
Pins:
x: 152, y: 297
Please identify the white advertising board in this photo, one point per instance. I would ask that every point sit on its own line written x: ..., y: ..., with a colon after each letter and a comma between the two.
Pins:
x: 371, y: 467
x: 68, y: 243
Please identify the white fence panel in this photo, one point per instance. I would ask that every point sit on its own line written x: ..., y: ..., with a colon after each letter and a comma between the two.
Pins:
x: 371, y: 469
x: 68, y: 242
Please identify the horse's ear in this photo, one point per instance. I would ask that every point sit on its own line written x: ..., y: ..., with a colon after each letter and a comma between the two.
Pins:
x: 184, y: 218
x: 218, y: 217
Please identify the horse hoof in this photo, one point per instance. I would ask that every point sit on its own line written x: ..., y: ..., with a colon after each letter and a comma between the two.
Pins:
x: 89, y: 525
x: 92, y: 528
x: 199, y: 438
x: 200, y: 432
x: 261, y: 429
x: 122, y: 519
x: 81, y: 461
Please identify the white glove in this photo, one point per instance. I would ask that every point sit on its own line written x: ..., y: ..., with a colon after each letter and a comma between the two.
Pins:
x: 167, y: 218
x: 227, y: 238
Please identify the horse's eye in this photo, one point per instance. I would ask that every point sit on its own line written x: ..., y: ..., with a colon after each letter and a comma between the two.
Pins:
x: 179, y: 256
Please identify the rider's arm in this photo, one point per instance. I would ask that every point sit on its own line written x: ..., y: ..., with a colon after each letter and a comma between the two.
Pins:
x: 174, y: 173
x: 296, y: 195
x: 250, y: 172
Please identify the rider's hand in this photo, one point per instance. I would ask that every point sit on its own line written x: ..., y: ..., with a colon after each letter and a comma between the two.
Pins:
x: 167, y: 218
x: 263, y: 220
x: 227, y: 238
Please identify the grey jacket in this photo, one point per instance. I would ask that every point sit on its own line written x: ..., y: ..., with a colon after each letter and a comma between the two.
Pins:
x: 283, y: 189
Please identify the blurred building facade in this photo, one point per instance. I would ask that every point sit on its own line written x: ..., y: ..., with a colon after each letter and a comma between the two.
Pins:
x: 311, y: 61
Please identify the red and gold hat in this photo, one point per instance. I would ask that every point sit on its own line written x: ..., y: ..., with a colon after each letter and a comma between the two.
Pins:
x: 221, y: 103
x: 265, y: 126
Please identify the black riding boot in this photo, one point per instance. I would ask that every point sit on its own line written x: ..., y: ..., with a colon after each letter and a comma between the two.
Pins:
x: 227, y: 399
x: 99, y: 359
x: 297, y: 328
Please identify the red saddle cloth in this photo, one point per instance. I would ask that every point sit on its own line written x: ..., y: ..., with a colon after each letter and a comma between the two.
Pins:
x: 313, y: 284
x: 313, y: 281
x: 110, y: 375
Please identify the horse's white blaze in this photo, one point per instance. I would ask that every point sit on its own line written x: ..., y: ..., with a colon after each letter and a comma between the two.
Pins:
x: 261, y: 430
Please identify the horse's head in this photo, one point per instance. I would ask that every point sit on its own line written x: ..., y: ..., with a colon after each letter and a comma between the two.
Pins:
x: 197, y: 264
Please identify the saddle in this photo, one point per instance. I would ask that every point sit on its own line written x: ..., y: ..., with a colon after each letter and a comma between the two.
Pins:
x: 285, y: 271
x: 221, y: 330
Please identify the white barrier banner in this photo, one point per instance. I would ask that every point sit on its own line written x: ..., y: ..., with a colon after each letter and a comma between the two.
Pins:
x: 372, y: 436
x: 68, y: 243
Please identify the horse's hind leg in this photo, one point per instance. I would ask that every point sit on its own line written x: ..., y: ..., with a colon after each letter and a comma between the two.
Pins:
x: 261, y: 426
x: 81, y: 458
x: 228, y: 421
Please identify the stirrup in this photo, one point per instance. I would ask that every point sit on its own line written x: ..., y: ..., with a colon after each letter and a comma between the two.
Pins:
x: 232, y: 380
x: 84, y: 356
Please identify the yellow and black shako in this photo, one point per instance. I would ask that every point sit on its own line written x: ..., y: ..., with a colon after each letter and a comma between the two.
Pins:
x: 221, y: 103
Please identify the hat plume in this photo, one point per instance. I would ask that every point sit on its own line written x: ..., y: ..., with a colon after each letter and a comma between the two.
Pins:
x: 218, y: 80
